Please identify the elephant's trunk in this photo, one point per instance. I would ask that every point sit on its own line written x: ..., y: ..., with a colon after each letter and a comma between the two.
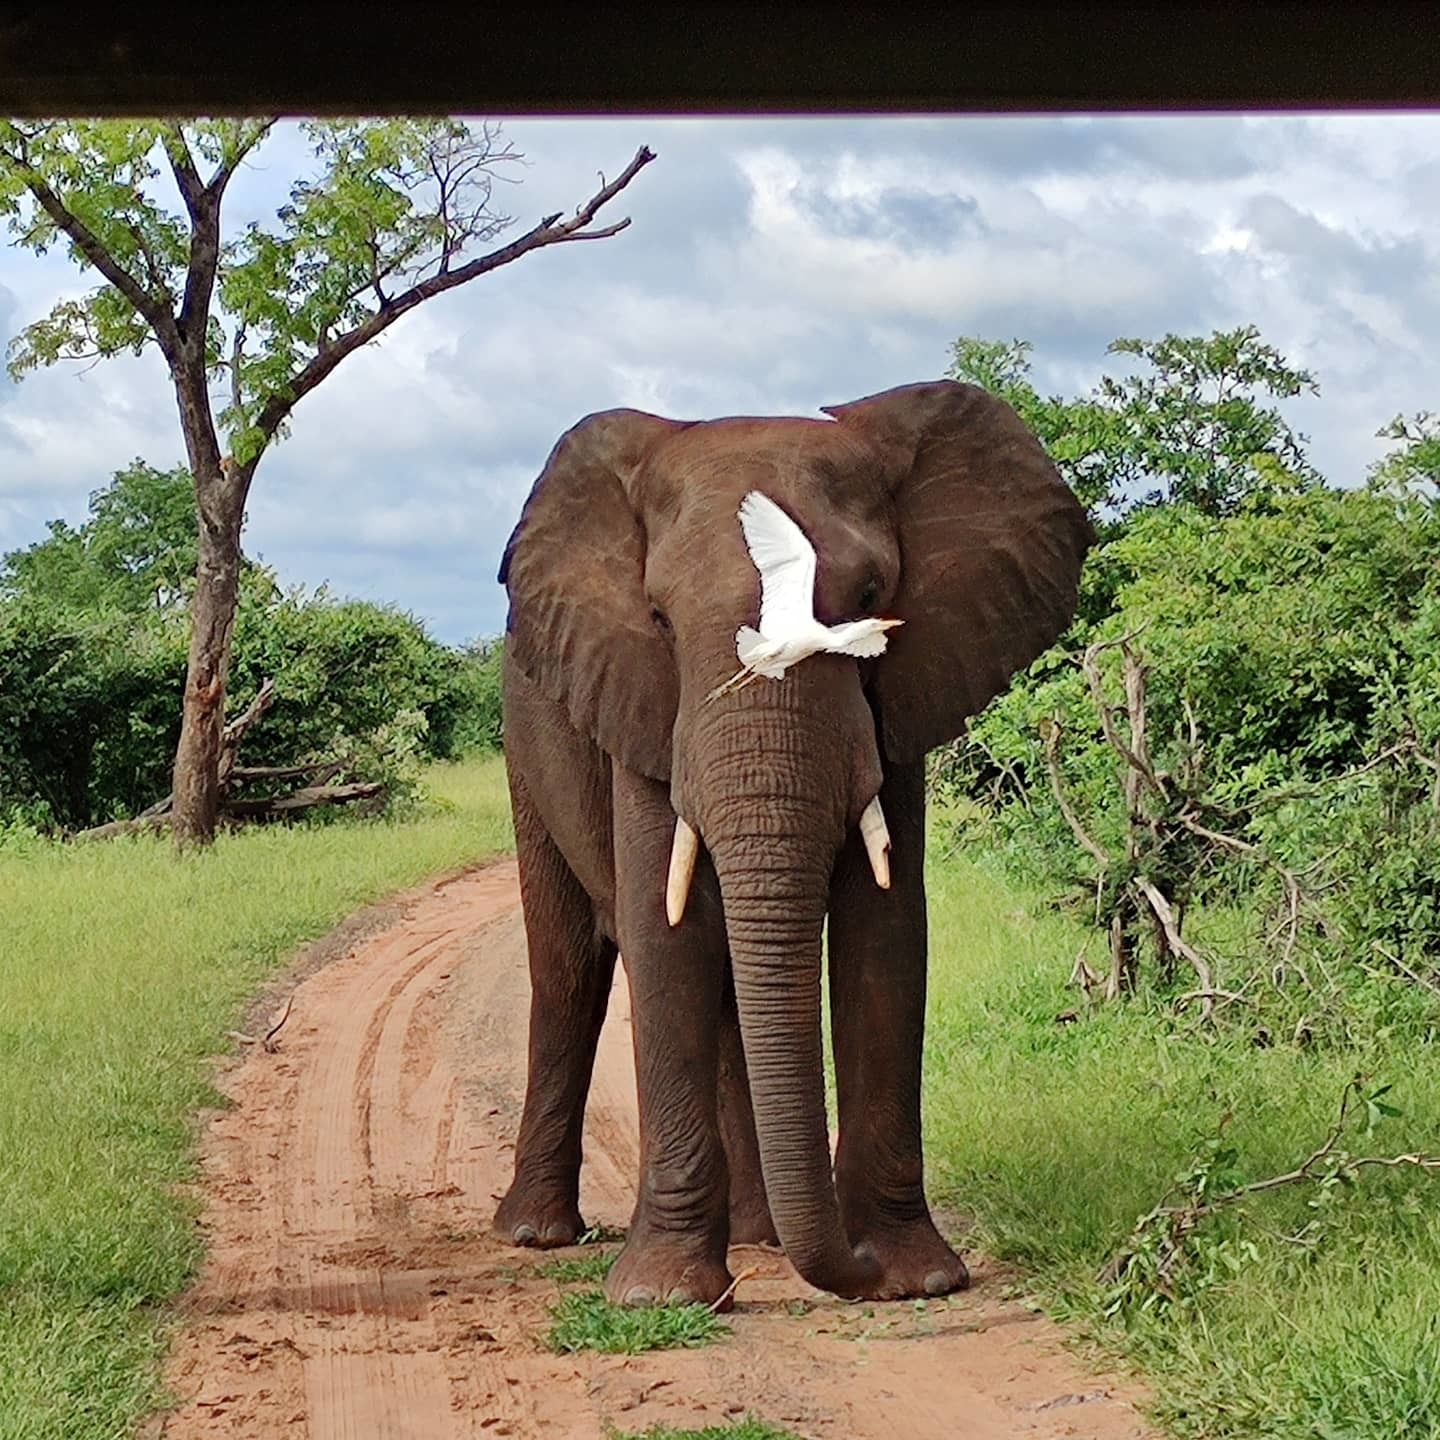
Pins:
x: 774, y: 911
x: 772, y: 801
x: 773, y: 795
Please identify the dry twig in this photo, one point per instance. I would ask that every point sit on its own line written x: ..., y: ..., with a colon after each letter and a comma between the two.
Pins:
x: 732, y: 1287
x: 266, y: 1041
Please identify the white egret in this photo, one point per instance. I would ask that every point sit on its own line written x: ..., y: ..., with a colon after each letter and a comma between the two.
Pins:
x: 789, y: 631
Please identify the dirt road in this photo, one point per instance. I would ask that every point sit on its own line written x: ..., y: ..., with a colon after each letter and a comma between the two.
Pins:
x: 352, y: 1292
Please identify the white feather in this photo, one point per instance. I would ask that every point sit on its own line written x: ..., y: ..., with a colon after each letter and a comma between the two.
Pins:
x: 866, y: 645
x: 786, y: 562
x: 788, y: 630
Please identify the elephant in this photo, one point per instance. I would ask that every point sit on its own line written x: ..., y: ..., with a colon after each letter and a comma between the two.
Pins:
x: 627, y: 576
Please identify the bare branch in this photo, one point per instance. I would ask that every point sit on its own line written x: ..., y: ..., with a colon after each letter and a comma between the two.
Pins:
x: 1052, y: 764
x: 1405, y: 970
x: 550, y: 231
x: 203, y: 203
x: 1163, y: 913
x: 1298, y: 792
x: 1234, y: 997
x: 1190, y: 763
x: 1007, y: 772
x: 251, y: 133
x: 324, y: 769
x: 139, y: 825
x: 604, y: 234
x: 1227, y: 842
x: 200, y: 273
x: 235, y: 732
x: 1090, y: 666
x: 237, y: 349
x: 1180, y: 1220
x: 305, y: 799
x: 182, y: 166
x: 157, y: 280
x: 375, y: 273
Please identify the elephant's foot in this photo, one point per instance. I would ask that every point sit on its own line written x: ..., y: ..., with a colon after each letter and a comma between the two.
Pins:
x: 914, y: 1262
x: 667, y: 1269
x: 529, y: 1217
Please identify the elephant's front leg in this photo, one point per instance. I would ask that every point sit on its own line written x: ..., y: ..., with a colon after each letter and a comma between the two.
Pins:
x: 571, y: 969
x: 678, y: 1236
x: 878, y: 944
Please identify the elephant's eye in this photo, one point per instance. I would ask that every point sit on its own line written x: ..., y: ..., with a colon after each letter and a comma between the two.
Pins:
x: 868, y: 596
x: 662, y: 621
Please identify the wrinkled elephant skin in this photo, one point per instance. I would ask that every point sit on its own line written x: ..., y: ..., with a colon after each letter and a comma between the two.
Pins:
x: 628, y: 577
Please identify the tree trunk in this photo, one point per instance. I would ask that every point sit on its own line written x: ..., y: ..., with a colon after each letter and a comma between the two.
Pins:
x: 220, y: 491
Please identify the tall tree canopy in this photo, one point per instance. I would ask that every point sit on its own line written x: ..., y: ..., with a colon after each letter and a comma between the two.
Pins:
x: 250, y: 322
x: 136, y: 550
x: 1192, y: 428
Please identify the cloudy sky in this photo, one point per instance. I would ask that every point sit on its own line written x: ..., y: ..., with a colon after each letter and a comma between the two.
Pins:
x: 773, y: 266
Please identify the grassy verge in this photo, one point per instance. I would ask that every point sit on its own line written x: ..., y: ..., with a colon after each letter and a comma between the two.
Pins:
x: 582, y: 1269
x: 1058, y: 1137
x: 121, y: 968
x: 750, y: 1428
x: 586, y: 1320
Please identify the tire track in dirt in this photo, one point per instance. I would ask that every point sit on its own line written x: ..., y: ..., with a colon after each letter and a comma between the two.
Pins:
x: 351, y: 1291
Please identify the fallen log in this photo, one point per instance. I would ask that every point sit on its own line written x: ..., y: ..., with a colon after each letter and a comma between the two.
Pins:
x: 242, y: 774
x: 230, y: 740
x: 156, y: 817
x: 305, y: 799
x: 115, y: 828
x: 265, y: 808
x: 236, y: 730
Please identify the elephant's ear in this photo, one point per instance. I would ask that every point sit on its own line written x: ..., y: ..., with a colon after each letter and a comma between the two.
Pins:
x: 991, y: 545
x: 579, y: 625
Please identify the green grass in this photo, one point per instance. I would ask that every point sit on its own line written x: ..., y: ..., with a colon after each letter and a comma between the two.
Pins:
x: 121, y: 969
x: 1058, y: 1137
x: 591, y: 1269
x: 586, y: 1320
x: 750, y: 1428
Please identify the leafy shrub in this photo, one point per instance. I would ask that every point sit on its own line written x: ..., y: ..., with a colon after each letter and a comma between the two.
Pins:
x: 1292, y: 652
x: 93, y: 641
x: 89, y: 713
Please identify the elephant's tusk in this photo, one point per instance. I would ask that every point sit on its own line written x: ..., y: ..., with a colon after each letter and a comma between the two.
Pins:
x: 877, y: 842
x: 683, y: 850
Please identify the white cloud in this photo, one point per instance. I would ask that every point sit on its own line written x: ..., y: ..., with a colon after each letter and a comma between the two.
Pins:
x: 777, y: 265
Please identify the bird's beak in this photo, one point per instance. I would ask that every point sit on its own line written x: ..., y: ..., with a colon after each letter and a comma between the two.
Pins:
x: 890, y: 624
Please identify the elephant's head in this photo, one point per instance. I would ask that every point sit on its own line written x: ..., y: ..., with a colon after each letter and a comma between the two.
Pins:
x: 628, y: 577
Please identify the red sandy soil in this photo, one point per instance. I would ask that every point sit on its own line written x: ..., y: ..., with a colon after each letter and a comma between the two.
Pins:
x: 352, y: 1291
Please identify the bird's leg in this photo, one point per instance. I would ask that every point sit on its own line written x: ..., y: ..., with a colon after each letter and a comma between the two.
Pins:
x: 738, y: 681
x: 733, y: 683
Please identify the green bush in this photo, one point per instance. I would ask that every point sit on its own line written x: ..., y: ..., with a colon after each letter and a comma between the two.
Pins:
x: 93, y: 640
x: 89, y: 713
x: 1292, y: 654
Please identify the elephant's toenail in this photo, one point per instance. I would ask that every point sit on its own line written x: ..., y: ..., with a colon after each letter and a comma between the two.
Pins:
x: 558, y: 1234
x: 524, y: 1234
x: 639, y: 1295
x: 937, y: 1282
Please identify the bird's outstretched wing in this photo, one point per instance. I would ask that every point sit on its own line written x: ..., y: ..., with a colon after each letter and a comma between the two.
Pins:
x: 786, y: 562
x: 866, y: 645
